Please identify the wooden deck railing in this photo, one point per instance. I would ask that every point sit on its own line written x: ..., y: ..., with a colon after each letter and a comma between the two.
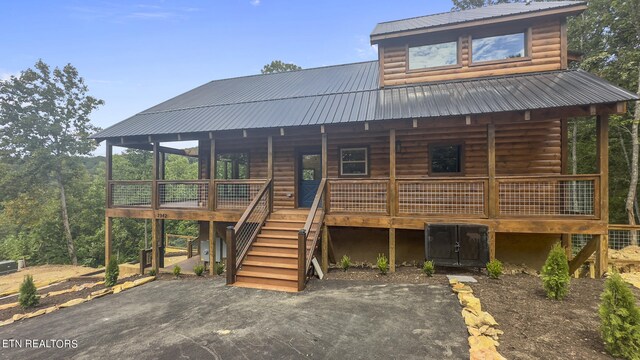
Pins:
x: 236, y: 194
x: 451, y: 197
x: 548, y: 196
x: 240, y: 236
x: 309, y: 234
x: 192, y: 194
x: 358, y: 196
x: 130, y: 193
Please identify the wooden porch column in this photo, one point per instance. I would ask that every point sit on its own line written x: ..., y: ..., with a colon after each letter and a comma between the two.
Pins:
x: 156, y: 176
x: 212, y: 176
x: 491, y: 170
x: 325, y: 248
x: 392, y: 250
x: 602, y: 242
x: 108, y: 222
x: 564, y: 163
x: 155, y: 248
x: 324, y: 156
x: 212, y: 248
x: 392, y: 172
x: 270, y: 157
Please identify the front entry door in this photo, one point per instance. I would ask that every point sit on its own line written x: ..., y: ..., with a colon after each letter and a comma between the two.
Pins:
x: 309, y: 177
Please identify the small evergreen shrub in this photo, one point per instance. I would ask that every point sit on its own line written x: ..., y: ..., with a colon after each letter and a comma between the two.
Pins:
x: 198, y: 269
x: 177, y: 270
x: 28, y: 296
x: 345, y: 263
x: 219, y: 268
x: 111, y: 273
x: 152, y: 272
x: 494, y: 268
x: 383, y: 264
x: 619, y: 319
x: 555, y: 274
x: 428, y: 268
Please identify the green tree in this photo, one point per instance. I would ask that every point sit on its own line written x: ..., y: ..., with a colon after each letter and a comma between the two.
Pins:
x: 44, y: 123
x: 471, y: 4
x: 620, y: 319
x: 277, y: 66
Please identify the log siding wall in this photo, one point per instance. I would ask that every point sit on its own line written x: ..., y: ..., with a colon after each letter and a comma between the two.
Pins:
x: 546, y: 47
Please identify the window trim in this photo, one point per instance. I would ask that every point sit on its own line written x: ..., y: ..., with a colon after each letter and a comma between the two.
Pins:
x: 458, y: 63
x: 527, y: 48
x: 366, y: 162
x: 461, y: 144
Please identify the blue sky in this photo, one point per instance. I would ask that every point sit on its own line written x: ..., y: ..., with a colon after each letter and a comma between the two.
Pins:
x: 135, y: 54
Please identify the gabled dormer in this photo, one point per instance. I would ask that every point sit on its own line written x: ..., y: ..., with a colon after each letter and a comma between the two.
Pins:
x: 501, y: 39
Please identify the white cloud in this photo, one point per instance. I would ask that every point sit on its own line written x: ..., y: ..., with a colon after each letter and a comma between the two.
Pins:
x: 255, y: 2
x: 6, y: 76
x: 123, y: 11
x: 365, y: 50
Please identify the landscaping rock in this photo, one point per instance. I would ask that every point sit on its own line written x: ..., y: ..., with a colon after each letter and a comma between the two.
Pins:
x: 73, y: 302
x: 9, y: 306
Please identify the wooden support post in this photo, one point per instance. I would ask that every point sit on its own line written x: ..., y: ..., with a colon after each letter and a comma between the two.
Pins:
x: 155, y: 245
x: 566, y: 244
x: 108, y: 172
x: 602, y: 257
x: 270, y: 157
x: 156, y: 176
x: 212, y: 175
x: 231, y: 255
x: 392, y: 173
x: 324, y: 156
x: 602, y: 254
x: 325, y: 249
x: 491, y: 171
x: 108, y: 239
x: 302, y: 259
x: 492, y: 244
x: 583, y: 255
x: 564, y: 146
x: 392, y: 250
x: 212, y: 248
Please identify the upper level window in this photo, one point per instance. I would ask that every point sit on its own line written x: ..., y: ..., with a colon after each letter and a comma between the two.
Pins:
x: 498, y: 47
x: 354, y: 161
x: 434, y: 55
x: 232, y: 166
x: 445, y: 159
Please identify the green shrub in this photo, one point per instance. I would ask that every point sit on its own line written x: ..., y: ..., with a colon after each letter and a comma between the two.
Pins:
x: 494, y: 268
x: 111, y: 273
x: 177, y: 270
x: 219, y: 268
x: 620, y: 319
x: 152, y: 272
x: 555, y: 274
x: 345, y: 263
x: 28, y: 296
x: 429, y: 268
x: 383, y: 264
x: 198, y: 269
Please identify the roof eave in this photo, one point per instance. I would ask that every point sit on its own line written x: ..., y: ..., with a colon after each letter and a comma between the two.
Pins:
x: 570, y: 10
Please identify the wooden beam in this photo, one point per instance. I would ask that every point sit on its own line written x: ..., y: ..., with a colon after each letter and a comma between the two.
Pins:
x: 156, y: 176
x: 564, y: 146
x: 392, y: 172
x: 108, y: 172
x: 155, y: 245
x: 491, y: 234
x: 392, y: 250
x: 467, y: 120
x: 621, y: 107
x: 325, y: 249
x: 366, y: 126
x: 108, y: 239
x: 527, y: 115
x: 164, y: 149
x: 583, y: 255
x: 602, y: 254
x: 602, y: 153
x: 566, y: 245
x: 212, y: 248
x: 491, y: 171
x: 324, y: 156
x: 593, y: 110
x: 415, y: 123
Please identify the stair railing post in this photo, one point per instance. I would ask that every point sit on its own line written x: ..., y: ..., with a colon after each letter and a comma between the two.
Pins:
x: 302, y: 259
x: 231, y: 255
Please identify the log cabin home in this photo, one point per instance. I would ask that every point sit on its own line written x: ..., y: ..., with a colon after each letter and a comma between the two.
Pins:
x: 461, y: 120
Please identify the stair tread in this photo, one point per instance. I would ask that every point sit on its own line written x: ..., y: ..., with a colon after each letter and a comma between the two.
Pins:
x: 271, y: 254
x: 267, y: 275
x: 270, y: 236
x: 269, y: 264
x: 287, y: 220
x: 280, y: 228
x: 276, y: 245
x: 251, y: 285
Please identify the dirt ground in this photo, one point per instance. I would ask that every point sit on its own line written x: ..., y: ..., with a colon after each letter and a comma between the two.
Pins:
x: 42, y: 275
x: 537, y: 328
x: 57, y: 299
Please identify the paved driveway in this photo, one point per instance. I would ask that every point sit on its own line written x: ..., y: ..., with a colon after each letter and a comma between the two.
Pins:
x: 204, y: 319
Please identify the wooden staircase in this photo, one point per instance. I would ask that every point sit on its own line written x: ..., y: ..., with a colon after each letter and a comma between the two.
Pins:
x: 272, y: 260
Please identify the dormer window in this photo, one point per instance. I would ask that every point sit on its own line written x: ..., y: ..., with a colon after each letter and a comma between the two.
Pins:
x: 433, y: 55
x: 500, y: 47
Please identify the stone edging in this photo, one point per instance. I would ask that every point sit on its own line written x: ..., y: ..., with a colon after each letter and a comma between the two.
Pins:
x: 482, y: 327
x: 54, y: 293
x: 94, y: 295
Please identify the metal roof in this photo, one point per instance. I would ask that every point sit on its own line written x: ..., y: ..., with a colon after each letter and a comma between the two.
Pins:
x: 454, y: 17
x: 351, y: 93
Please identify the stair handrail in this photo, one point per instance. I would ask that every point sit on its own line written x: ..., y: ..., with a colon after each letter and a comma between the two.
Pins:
x: 243, y: 234
x: 303, y: 236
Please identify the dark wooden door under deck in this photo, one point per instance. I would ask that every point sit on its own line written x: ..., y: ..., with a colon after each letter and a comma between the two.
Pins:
x: 309, y: 176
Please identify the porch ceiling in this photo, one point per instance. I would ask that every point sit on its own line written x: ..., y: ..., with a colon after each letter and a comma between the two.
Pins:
x: 350, y: 93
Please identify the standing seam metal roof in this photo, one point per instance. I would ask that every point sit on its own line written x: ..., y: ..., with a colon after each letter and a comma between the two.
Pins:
x: 351, y: 93
x: 455, y: 17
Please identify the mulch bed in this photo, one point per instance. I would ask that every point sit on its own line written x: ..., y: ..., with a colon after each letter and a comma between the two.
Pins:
x: 205, y: 276
x: 537, y: 328
x: 403, y: 275
x: 58, y: 299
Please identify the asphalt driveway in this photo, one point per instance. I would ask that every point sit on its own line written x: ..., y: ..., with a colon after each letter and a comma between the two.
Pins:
x: 207, y: 320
